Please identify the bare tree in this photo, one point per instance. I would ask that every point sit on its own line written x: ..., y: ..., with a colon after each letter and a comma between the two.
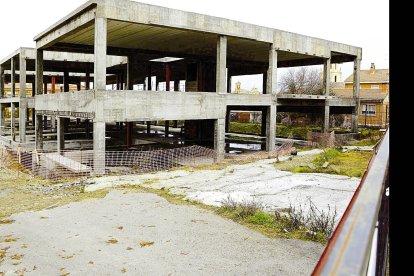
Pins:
x: 302, y: 81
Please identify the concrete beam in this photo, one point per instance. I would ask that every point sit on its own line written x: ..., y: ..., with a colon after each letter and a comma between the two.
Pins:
x: 60, y: 134
x: 327, y: 76
x: 356, y: 88
x: 39, y: 72
x: 100, y: 45
x: 219, y: 138
x: 272, y: 71
x: 39, y: 132
x: 271, y: 128
x: 221, y: 64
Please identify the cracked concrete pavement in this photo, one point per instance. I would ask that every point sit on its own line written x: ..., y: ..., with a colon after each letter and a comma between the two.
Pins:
x: 114, y: 235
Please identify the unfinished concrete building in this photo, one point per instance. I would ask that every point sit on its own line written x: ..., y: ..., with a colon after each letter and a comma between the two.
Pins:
x: 173, y: 47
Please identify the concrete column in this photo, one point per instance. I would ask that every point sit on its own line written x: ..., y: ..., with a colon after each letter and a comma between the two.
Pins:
x: 167, y: 76
x: 357, y: 67
x: 176, y: 85
x: 2, y: 119
x: 78, y: 85
x: 66, y: 81
x: 99, y: 147
x: 1, y: 81
x: 228, y: 81
x: 33, y: 116
x: 271, y: 82
x: 129, y: 130
x: 12, y: 120
x: 87, y: 129
x: 13, y: 77
x: 60, y: 134
x: 87, y: 79
x: 130, y: 73
x: 23, y: 100
x: 39, y: 72
x: 326, y: 118
x: 327, y: 76
x: 264, y: 85
x: 149, y: 83
x: 219, y: 138
x: 166, y: 128
x: 33, y: 88
x: 99, y: 86
x: 100, y: 53
x: 270, y: 127
x: 53, y: 83
x: 264, y: 126
x: 148, y: 127
x: 221, y: 64
x: 39, y: 132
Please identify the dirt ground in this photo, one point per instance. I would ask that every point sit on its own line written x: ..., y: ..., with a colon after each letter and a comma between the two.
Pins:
x: 135, y: 233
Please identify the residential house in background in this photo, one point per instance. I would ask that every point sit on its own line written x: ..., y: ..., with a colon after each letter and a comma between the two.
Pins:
x: 374, y: 95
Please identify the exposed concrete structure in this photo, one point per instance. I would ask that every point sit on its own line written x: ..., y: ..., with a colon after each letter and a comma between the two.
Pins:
x: 176, y: 45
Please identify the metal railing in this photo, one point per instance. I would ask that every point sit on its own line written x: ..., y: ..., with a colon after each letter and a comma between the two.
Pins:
x: 360, y: 241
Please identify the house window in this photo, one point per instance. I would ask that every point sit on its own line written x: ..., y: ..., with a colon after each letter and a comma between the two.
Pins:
x: 375, y: 86
x: 368, y: 109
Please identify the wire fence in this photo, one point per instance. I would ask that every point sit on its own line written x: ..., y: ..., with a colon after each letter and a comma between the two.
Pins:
x: 70, y: 164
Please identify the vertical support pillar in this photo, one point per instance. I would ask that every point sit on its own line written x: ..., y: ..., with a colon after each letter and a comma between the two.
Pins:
x: 221, y: 64
x: 39, y: 72
x: 2, y: 119
x: 53, y: 81
x: 78, y: 85
x: 130, y: 73
x: 327, y: 76
x: 271, y: 80
x: 99, y: 147
x: 99, y: 87
x: 219, y: 138
x: 167, y: 76
x: 33, y: 88
x: 271, y: 128
x: 66, y: 81
x: 326, y: 90
x: 263, y: 126
x: 326, y: 117
x: 87, y: 79
x: 1, y: 81
x: 177, y: 85
x: 264, y: 85
x: 228, y: 81
x: 23, y: 100
x: 356, y: 88
x: 148, y: 127
x: 129, y: 129
x: 100, y: 53
x: 60, y: 134
x: 149, y: 82
x: 39, y: 131
x: 13, y: 77
x: 166, y: 128
x: 12, y: 120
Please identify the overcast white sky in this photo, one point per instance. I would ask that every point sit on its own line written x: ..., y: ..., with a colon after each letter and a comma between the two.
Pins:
x: 363, y: 23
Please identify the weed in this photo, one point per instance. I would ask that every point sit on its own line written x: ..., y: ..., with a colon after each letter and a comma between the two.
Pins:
x: 144, y: 244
